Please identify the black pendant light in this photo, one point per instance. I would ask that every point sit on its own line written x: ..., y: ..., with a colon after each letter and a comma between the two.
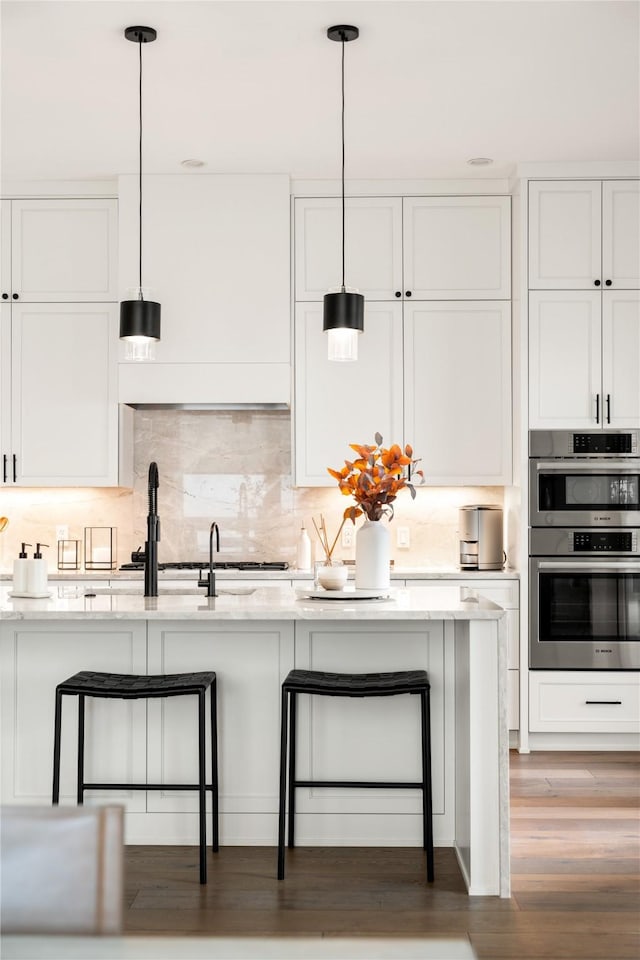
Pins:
x: 140, y: 318
x: 343, y: 315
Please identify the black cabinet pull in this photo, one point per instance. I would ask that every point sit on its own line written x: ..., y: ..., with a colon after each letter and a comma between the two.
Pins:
x: 398, y: 293
x: 608, y: 408
x: 596, y: 283
x: 15, y: 468
x: 15, y: 296
x: 408, y: 293
x: 607, y: 283
x: 5, y: 296
x: 610, y: 703
x: 4, y: 468
x: 597, y: 408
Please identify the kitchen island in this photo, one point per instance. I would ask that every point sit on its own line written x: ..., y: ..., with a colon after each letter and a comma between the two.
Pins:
x: 252, y: 640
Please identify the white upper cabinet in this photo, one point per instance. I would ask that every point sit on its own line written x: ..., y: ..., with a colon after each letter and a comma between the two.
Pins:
x: 458, y: 390
x: 621, y: 234
x: 584, y: 234
x: 341, y: 403
x: 64, y: 416
x: 425, y: 248
x: 621, y: 358
x: 62, y: 250
x: 373, y: 246
x: 457, y: 248
x: 216, y: 255
x: 564, y: 359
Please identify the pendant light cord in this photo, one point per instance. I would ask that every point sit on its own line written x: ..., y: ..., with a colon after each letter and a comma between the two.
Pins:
x: 343, y: 207
x: 140, y: 295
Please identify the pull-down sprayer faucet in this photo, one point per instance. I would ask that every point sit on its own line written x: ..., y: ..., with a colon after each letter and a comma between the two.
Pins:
x: 149, y: 556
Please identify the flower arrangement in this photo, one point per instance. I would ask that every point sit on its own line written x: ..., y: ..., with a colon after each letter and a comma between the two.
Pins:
x: 375, y: 478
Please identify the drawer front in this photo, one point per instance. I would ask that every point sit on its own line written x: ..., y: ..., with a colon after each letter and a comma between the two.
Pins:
x: 504, y: 592
x: 564, y: 702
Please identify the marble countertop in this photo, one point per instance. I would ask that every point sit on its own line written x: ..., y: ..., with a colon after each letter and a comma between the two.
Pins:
x: 447, y: 602
x: 397, y: 573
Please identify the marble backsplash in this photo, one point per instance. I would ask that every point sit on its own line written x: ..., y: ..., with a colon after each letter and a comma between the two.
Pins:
x: 233, y: 467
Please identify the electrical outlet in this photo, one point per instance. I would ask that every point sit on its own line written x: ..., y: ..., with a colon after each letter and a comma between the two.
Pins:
x: 403, y: 538
x: 62, y: 532
x: 347, y: 534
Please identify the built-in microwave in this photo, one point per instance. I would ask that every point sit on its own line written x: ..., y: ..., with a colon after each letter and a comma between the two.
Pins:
x: 584, y: 479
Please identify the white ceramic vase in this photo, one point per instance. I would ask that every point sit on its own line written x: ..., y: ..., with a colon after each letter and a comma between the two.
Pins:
x: 372, y: 556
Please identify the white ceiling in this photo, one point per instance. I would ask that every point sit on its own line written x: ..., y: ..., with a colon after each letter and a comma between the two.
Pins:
x: 255, y: 86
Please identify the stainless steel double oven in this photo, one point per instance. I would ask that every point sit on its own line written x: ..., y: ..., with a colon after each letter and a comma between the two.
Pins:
x: 584, y: 550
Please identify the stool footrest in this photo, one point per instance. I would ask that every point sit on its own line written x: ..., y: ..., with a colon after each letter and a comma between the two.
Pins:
x: 394, y: 784
x: 145, y: 786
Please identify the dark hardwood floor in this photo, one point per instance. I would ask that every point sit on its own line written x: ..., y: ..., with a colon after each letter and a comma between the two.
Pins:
x: 575, y: 863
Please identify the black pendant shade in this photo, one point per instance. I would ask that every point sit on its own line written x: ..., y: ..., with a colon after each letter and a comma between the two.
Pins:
x: 139, y: 318
x: 343, y: 311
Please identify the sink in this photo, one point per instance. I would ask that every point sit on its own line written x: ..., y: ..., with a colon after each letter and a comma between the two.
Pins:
x: 168, y: 592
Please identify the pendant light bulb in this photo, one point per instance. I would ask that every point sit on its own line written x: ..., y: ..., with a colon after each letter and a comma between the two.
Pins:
x: 140, y: 316
x: 343, y: 312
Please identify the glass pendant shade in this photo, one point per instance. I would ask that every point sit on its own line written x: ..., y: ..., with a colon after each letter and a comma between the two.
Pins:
x: 343, y: 320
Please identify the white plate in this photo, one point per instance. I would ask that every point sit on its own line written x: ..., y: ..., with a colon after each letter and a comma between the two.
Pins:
x: 353, y: 594
x: 30, y: 596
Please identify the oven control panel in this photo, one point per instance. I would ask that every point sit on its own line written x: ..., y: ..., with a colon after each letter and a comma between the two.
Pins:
x: 604, y: 443
x: 603, y: 541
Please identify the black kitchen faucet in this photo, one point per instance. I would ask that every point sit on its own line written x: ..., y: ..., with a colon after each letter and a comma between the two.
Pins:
x: 210, y: 582
x: 149, y: 556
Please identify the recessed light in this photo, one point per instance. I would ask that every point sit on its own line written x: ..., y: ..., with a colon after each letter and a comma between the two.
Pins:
x: 192, y: 163
x: 480, y: 161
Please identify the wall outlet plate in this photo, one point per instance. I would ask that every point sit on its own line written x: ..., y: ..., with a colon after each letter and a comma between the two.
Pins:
x: 62, y: 532
x: 348, y: 532
x: 403, y: 538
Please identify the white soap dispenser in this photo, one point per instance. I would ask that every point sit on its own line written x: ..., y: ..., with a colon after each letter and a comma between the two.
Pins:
x: 304, y: 550
x: 20, y: 567
x: 37, y: 572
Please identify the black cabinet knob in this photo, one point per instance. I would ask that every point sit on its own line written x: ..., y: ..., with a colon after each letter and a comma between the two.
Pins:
x: 596, y: 283
x: 15, y: 296
x: 408, y: 293
x: 398, y: 293
x: 5, y: 296
x: 607, y: 283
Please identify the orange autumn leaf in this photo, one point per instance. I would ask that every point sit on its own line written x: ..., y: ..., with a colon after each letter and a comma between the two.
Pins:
x: 375, y: 478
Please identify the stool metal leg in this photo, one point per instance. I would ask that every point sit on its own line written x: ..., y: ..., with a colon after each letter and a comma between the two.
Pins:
x: 427, y: 809
x: 283, y: 782
x: 293, y: 699
x: 80, y: 784
x: 202, y: 793
x: 214, y: 767
x: 57, y: 726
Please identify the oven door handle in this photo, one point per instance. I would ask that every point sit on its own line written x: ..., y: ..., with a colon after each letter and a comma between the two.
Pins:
x: 579, y: 566
x: 588, y: 465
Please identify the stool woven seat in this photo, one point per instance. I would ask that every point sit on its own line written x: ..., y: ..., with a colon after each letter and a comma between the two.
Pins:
x: 128, y: 686
x: 324, y: 684
x: 356, y: 684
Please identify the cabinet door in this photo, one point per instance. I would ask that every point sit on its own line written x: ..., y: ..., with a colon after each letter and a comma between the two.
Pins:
x: 341, y: 403
x: 64, y: 411
x: 564, y: 235
x: 34, y: 657
x: 373, y: 246
x: 457, y: 248
x: 6, y: 475
x: 564, y: 360
x: 621, y: 234
x: 64, y: 250
x: 457, y: 362
x: 621, y: 358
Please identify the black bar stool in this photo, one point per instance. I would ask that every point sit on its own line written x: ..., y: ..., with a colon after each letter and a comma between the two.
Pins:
x: 119, y: 686
x: 322, y: 684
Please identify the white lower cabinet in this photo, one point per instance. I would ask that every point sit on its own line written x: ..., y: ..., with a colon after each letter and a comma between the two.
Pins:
x: 35, y: 656
x: 580, y: 702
